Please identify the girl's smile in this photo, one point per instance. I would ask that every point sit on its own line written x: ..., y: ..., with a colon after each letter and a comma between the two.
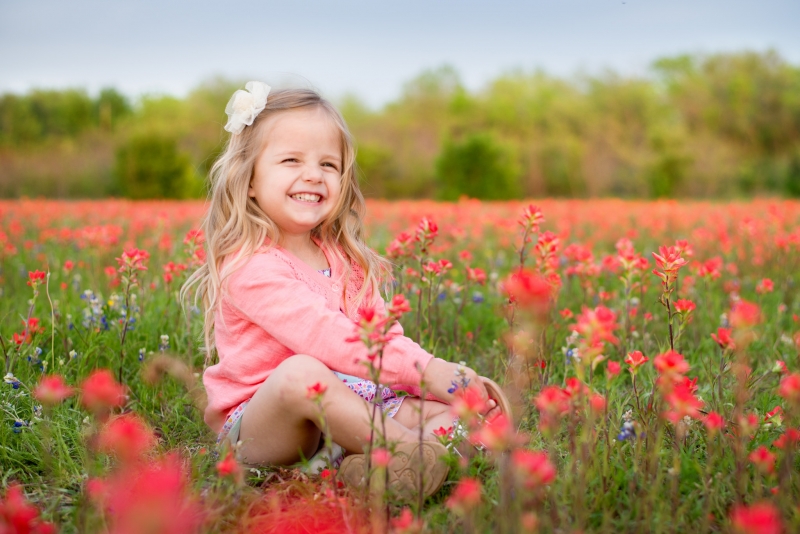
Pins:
x: 297, y: 177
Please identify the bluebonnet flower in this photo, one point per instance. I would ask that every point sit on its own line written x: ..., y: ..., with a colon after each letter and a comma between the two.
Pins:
x: 477, y: 297
x: 453, y: 389
x: 441, y: 296
x: 627, y: 431
x: 11, y: 380
x: 461, y: 374
x: 104, y: 322
x: 164, y: 344
x: 19, y: 425
x: 73, y: 354
x: 141, y: 354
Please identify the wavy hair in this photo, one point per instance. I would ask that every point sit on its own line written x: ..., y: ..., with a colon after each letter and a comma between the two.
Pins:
x: 235, y: 227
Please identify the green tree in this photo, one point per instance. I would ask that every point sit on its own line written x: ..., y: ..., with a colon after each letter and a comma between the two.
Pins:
x: 110, y: 107
x: 478, y: 167
x: 150, y: 165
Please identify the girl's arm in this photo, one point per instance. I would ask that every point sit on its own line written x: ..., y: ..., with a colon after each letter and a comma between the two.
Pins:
x: 266, y: 292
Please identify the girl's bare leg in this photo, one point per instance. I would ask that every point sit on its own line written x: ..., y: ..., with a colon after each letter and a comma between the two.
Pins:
x: 280, y: 422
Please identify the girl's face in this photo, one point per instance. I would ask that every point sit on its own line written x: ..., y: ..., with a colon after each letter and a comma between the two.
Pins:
x: 297, y: 177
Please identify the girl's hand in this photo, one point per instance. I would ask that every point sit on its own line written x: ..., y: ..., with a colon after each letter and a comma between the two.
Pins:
x: 439, y: 376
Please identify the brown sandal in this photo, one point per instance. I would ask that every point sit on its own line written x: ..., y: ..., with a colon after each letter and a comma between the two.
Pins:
x: 403, y: 469
x: 496, y: 393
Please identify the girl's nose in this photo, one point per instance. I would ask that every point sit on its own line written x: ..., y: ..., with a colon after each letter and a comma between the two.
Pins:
x: 312, y: 173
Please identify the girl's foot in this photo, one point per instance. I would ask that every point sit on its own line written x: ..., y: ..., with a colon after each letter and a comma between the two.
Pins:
x: 405, y: 465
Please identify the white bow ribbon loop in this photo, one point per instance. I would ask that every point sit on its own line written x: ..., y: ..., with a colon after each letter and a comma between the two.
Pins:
x: 244, y: 106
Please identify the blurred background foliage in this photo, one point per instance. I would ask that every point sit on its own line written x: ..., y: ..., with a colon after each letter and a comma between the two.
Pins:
x: 714, y: 126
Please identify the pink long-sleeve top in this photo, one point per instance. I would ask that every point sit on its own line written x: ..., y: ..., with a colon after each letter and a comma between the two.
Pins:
x: 276, y: 306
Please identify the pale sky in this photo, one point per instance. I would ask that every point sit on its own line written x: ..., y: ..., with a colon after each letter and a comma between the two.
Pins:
x: 369, y: 48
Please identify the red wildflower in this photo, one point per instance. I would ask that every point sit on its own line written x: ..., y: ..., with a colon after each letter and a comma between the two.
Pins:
x: 193, y: 236
x: 427, y: 230
x: 476, y: 275
x: 153, y: 497
x: 531, y: 218
x: 399, y: 306
x: 745, y: 314
x: 401, y: 247
x: 668, y: 260
x: 788, y: 439
x: 724, y: 339
x: 133, y: 259
x: 671, y: 363
x: 758, y: 518
x: 595, y: 326
x: 552, y: 402
x: 684, y: 306
x: 714, y: 423
x: 35, y: 278
x: 126, y: 437
x: 101, y: 393
x: 683, y: 403
x: 780, y: 367
x: 381, y: 457
x: 748, y: 424
x: 597, y: 403
x: 532, y: 469
x: 17, y: 515
x: 774, y: 417
x: 613, y: 369
x: 763, y: 460
x: 575, y: 388
x: 229, y: 467
x: 635, y: 360
x: 789, y: 388
x: 468, y: 404
x: 316, y: 391
x: 405, y: 523
x: 443, y: 432
x: 497, y: 435
x: 765, y: 286
x: 52, y: 390
x: 530, y: 291
x: 466, y: 496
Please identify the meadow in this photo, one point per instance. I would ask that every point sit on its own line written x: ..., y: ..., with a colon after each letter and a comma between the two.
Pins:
x: 650, y: 350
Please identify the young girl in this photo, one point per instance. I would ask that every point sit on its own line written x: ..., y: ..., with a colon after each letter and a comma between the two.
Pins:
x: 287, y: 274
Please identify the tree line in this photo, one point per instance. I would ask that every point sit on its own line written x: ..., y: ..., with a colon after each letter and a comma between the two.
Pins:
x: 713, y: 126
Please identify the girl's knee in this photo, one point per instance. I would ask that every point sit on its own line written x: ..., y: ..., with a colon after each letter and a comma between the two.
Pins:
x: 303, y: 364
x: 295, y: 374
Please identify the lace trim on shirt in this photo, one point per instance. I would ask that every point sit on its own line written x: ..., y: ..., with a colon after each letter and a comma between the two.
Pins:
x: 354, y: 285
x: 312, y: 284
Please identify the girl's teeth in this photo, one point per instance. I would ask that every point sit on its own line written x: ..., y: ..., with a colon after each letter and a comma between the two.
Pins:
x: 306, y: 197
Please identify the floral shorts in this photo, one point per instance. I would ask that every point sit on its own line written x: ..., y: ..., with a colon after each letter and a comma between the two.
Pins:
x: 360, y: 386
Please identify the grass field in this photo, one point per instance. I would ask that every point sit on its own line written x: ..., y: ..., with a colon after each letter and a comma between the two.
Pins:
x: 646, y: 402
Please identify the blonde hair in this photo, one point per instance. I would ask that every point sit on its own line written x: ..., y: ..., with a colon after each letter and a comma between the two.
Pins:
x: 235, y: 225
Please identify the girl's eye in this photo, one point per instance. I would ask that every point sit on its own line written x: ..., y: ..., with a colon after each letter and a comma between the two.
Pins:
x: 332, y: 166
x: 290, y: 160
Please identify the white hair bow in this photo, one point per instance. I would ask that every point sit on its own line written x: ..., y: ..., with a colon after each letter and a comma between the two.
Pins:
x: 244, y: 106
